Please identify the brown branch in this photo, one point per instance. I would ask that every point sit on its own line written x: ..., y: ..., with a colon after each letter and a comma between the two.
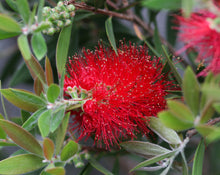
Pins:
x: 129, y: 17
x: 193, y: 132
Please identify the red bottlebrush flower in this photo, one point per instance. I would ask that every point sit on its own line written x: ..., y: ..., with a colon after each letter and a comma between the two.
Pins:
x: 124, y: 90
x: 199, y: 32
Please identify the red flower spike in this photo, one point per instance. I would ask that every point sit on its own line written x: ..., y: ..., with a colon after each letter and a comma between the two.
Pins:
x: 124, y: 91
x: 199, y: 32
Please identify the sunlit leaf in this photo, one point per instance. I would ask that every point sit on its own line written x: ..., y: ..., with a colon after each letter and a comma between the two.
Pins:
x: 24, y: 10
x: 21, y: 137
x: 24, y: 47
x: 165, y: 133
x: 21, y: 164
x: 173, y: 122
x: 44, y: 123
x: 38, y: 45
x: 191, y: 90
x: 53, y: 92
x: 56, y: 171
x: 57, y: 117
x: 7, y: 24
x: 23, y: 99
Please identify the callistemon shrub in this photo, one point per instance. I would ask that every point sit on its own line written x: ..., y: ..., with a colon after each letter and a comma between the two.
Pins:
x: 119, y: 92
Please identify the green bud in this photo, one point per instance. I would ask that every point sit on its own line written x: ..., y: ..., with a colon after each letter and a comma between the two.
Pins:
x: 67, y: 22
x: 65, y: 15
x: 51, y: 31
x: 46, y: 11
x: 72, y: 14
x: 60, y: 23
x: 55, y: 16
x: 71, y: 7
x: 59, y: 4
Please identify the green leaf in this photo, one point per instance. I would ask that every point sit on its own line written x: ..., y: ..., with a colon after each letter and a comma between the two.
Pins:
x: 99, y: 167
x: 165, y: 133
x: 217, y: 107
x: 57, y: 118
x: 48, y: 148
x: 205, y: 130
x: 38, y: 87
x: 38, y: 45
x: 21, y: 164
x: 187, y: 7
x: 21, y: 137
x: 39, y: 10
x: 62, y: 49
x: 172, y: 67
x: 44, y: 123
x: 12, y: 4
x: 153, y: 160
x: 24, y: 115
x: 144, y: 149
x: 3, y: 135
x: 56, y: 171
x: 61, y: 133
x: 24, y: 10
x: 157, y: 42
x: 24, y: 47
x: 191, y: 90
x: 159, y: 5
x: 53, y: 93
x: 23, y: 99
x: 69, y: 150
x: 171, y: 121
x: 32, y: 121
x: 110, y: 33
x: 170, y: 32
x: 35, y: 69
x: 207, y: 112
x: 7, y: 24
x: 212, y: 92
x: 184, y: 166
x: 4, y: 143
x: 198, y: 159
x: 5, y: 35
x: 48, y: 71
x: 180, y: 110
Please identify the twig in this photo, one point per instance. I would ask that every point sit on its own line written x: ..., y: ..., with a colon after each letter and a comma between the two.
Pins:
x: 193, y: 132
x: 130, y: 17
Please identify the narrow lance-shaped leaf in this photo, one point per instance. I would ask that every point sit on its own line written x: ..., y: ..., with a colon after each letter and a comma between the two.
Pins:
x: 69, y: 150
x: 48, y: 148
x: 173, y: 122
x: 144, y: 149
x: 8, y: 24
x: 38, y: 45
x: 44, y: 123
x: 23, y: 99
x: 38, y: 87
x: 32, y: 121
x: 21, y: 164
x: 24, y: 47
x: 21, y: 137
x: 153, y: 160
x: 60, y: 133
x: 62, y: 49
x: 158, y: 4
x: 39, y: 10
x: 35, y: 69
x: 99, y: 167
x: 110, y: 33
x: 165, y: 133
x: 12, y: 4
x: 48, y: 71
x: 57, y: 118
x: 198, y: 159
x: 24, y: 10
x: 191, y: 90
x: 56, y: 171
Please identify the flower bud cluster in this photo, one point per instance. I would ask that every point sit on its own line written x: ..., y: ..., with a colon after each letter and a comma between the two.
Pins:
x: 79, y: 157
x: 57, y: 17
